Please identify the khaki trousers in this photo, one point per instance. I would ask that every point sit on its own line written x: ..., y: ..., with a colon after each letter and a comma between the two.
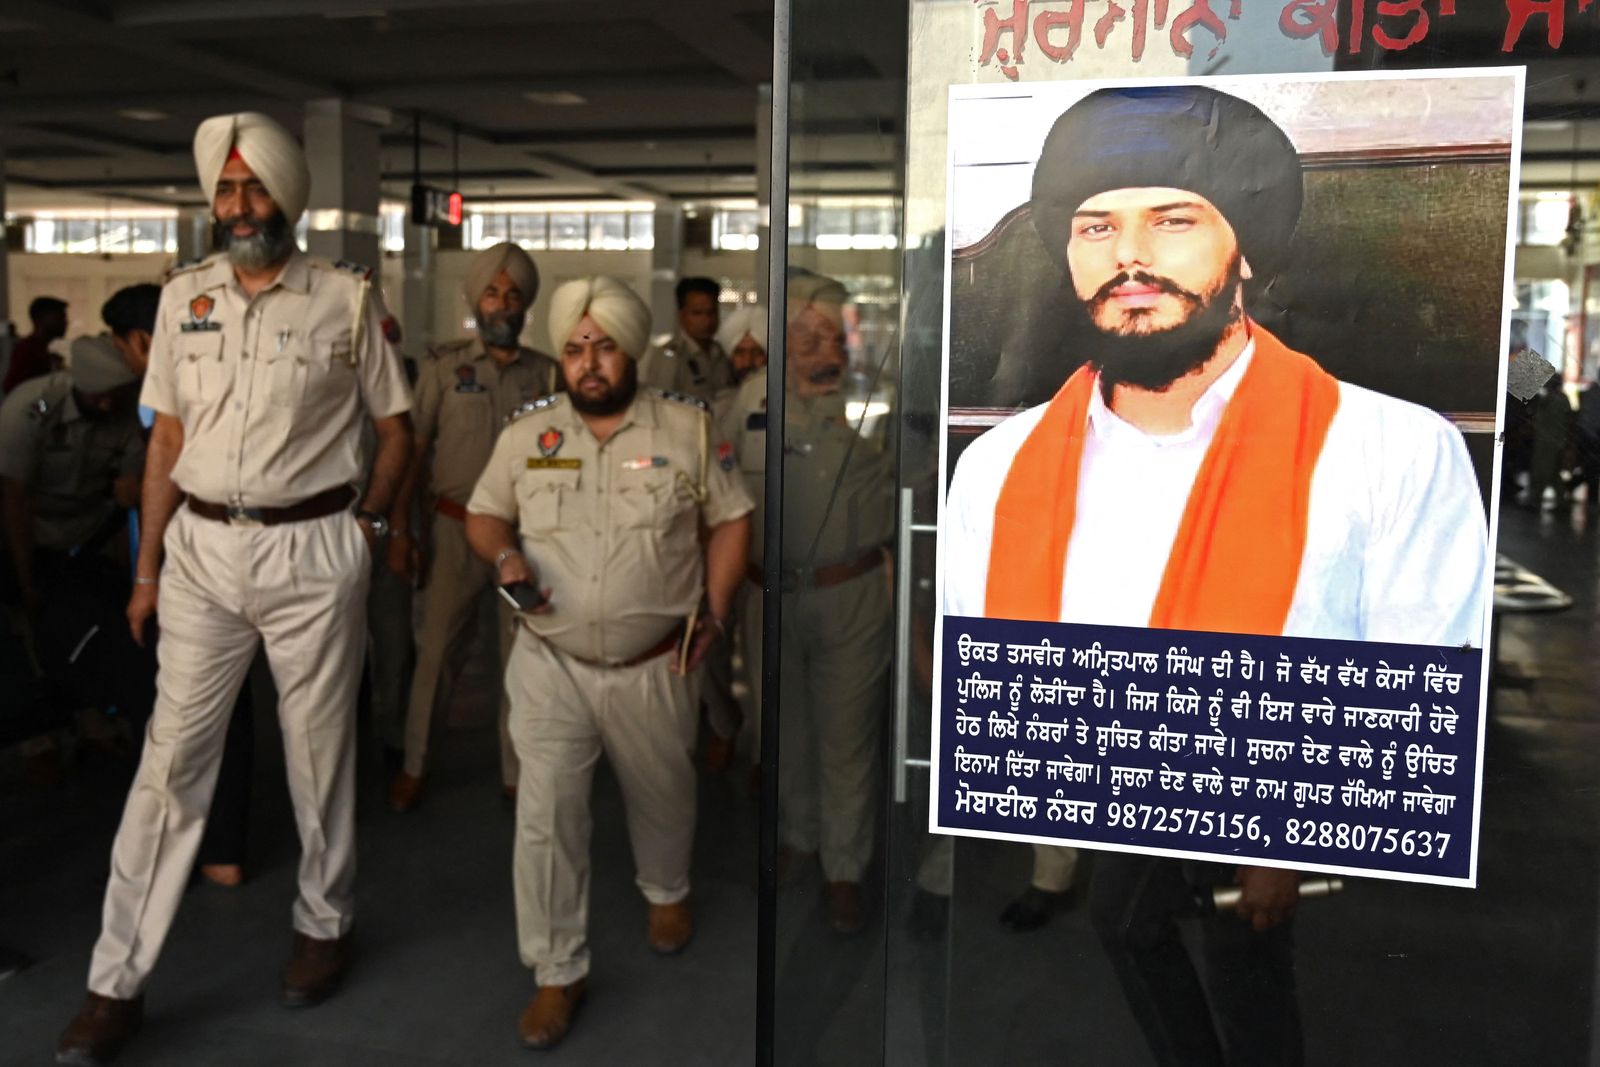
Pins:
x: 834, y: 673
x: 563, y: 715
x: 301, y: 589
x: 456, y: 579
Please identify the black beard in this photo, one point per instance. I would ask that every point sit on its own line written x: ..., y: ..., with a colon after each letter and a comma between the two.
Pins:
x: 616, y: 399
x: 1154, y: 360
x: 501, y: 329
x: 271, y: 243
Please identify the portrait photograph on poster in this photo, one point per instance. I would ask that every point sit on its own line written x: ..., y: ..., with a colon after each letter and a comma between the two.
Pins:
x: 1224, y: 372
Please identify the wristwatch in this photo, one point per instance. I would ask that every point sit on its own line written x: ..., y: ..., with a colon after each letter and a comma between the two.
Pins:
x: 375, y: 522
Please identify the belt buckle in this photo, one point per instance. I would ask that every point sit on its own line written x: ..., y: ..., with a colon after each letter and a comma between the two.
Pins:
x: 793, y: 578
x: 239, y: 515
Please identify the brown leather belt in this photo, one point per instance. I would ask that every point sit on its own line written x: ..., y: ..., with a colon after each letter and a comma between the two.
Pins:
x: 660, y: 648
x: 447, y: 507
x: 829, y: 574
x: 324, y: 503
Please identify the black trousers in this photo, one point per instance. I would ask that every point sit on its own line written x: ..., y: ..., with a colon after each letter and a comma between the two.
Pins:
x: 81, y: 634
x: 90, y: 656
x: 1246, y: 1012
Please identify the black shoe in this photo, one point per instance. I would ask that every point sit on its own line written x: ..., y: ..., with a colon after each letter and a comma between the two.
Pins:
x: 1034, y: 907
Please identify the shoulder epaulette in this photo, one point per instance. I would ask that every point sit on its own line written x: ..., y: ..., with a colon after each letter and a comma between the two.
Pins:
x: 682, y: 398
x: 187, y: 265
x: 449, y: 348
x: 52, y: 394
x: 534, y: 405
x: 360, y: 270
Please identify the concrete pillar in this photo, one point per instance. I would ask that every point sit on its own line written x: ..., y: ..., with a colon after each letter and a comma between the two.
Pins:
x: 416, y: 325
x: 763, y: 186
x: 666, y: 260
x: 342, y: 220
x: 194, y: 233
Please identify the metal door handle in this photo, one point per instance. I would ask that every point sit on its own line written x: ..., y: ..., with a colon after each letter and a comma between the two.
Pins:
x: 902, y: 643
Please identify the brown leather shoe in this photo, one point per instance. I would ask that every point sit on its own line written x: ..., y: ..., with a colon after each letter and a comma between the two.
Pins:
x: 405, y: 792
x: 315, y: 969
x: 670, y: 927
x: 548, y: 1016
x: 845, y: 913
x: 102, y: 1027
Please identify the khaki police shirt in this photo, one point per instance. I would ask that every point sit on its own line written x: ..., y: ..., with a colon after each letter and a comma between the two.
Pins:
x: 613, y: 529
x: 463, y: 398
x: 838, y: 487
x: 682, y: 366
x: 67, y: 461
x: 272, y: 390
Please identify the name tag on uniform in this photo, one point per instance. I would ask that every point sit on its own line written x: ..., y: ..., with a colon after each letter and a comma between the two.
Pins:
x: 756, y: 421
x: 644, y: 463
x: 467, y: 380
x: 553, y: 463
x: 200, y: 309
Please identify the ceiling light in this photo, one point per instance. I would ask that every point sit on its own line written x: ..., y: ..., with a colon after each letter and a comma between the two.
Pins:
x: 555, y: 97
x: 142, y: 114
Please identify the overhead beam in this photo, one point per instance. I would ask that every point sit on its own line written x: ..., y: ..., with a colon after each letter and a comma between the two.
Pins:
x: 116, y: 147
x: 156, y: 47
x: 490, y: 149
x: 711, y: 29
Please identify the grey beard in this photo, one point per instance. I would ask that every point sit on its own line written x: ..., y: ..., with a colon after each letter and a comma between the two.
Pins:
x: 271, y: 243
x: 500, y: 331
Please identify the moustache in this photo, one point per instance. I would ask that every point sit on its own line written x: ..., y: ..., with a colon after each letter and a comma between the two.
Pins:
x: 1139, y: 277
x: 823, y: 375
x: 257, y: 224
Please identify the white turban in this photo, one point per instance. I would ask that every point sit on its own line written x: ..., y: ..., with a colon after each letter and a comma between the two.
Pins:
x: 613, y: 306
x: 807, y: 290
x: 488, y: 264
x: 746, y: 319
x: 97, y: 365
x: 267, y: 149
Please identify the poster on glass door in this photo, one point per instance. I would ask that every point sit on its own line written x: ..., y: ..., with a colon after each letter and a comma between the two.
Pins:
x: 1224, y: 371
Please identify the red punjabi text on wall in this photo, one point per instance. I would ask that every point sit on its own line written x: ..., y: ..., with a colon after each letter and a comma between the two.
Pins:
x: 1056, y: 27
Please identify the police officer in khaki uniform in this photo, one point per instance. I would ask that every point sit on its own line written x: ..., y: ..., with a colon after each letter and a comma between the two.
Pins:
x: 71, y: 453
x: 838, y: 516
x: 691, y: 362
x: 595, y: 498
x: 463, y: 397
x: 263, y: 365
x: 743, y: 335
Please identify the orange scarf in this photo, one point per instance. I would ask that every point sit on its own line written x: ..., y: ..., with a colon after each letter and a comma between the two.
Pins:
x: 1236, y: 557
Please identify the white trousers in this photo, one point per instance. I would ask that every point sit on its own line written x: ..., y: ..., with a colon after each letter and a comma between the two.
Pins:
x: 301, y: 588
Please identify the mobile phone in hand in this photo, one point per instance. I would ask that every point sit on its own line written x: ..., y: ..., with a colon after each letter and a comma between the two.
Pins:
x: 523, y: 596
